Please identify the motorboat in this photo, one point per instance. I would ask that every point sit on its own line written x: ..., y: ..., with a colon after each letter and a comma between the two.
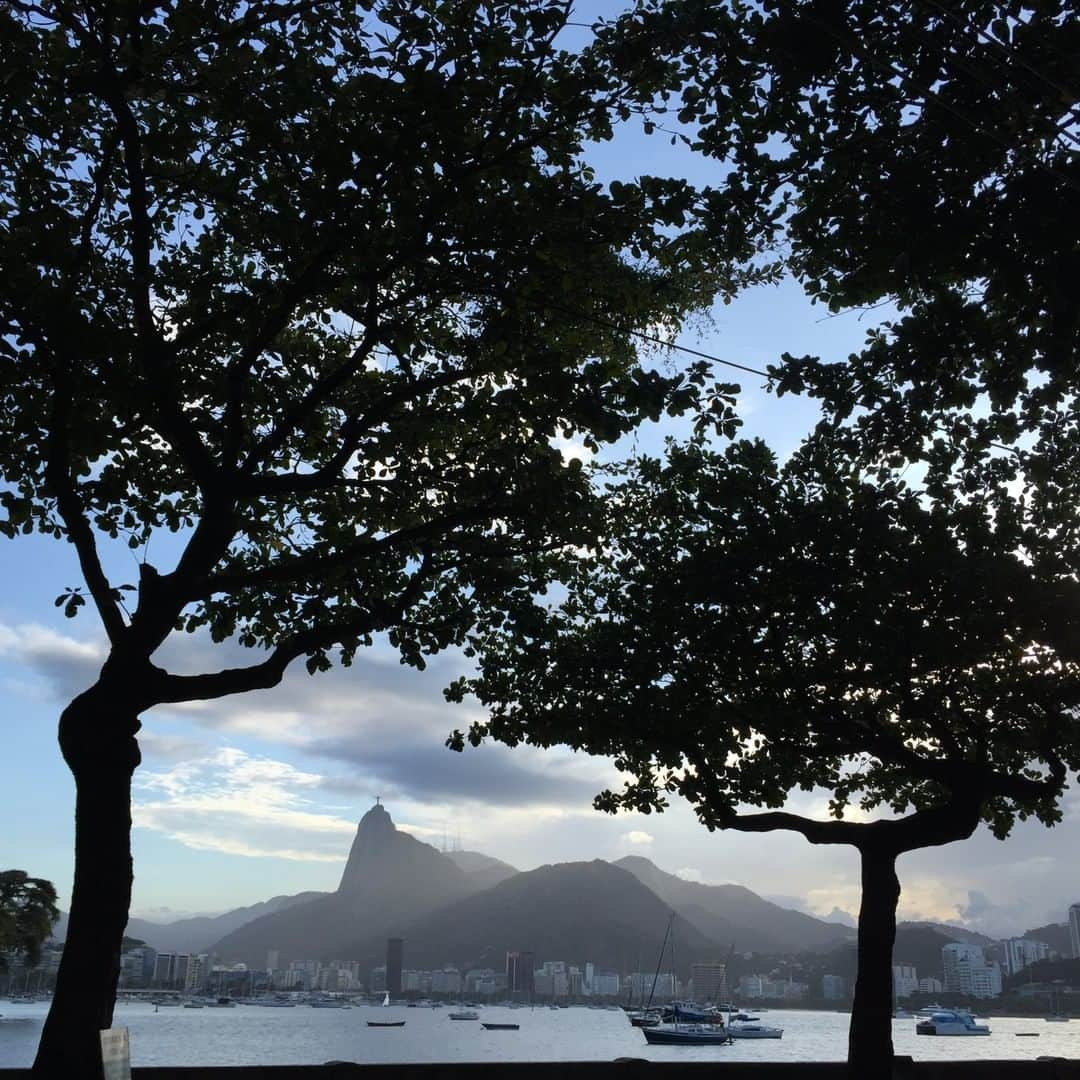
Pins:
x: 644, y: 1019
x: 499, y: 1027
x: 687, y: 1035
x: 950, y: 1022
x: 743, y: 1030
x: 386, y: 1023
x: 464, y: 1014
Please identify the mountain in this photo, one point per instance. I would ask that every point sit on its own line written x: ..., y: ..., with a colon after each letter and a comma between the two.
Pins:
x: 733, y: 915
x: 483, y: 870
x: 1056, y: 935
x: 198, y: 933
x: 953, y: 933
x: 389, y: 879
x: 570, y: 911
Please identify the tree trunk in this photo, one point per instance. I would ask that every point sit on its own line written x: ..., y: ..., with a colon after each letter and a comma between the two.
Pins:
x: 870, y: 1048
x: 98, y: 742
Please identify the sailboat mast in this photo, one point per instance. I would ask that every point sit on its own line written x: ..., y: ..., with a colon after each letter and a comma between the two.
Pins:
x: 660, y: 961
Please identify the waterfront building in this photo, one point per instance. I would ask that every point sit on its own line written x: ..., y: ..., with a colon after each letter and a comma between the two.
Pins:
x: 1074, y: 929
x: 137, y: 966
x: 447, y: 981
x: 273, y: 959
x: 905, y: 981
x: 605, y: 984
x: 968, y: 972
x: 929, y: 985
x: 833, y: 988
x: 519, y: 972
x: 170, y: 969
x: 395, y: 955
x: 646, y: 984
x: 710, y: 982
x: 1021, y: 953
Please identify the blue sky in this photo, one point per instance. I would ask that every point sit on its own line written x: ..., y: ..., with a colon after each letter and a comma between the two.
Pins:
x: 256, y: 796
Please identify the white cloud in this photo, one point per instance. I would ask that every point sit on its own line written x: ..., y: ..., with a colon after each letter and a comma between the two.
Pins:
x: 233, y: 802
x: 689, y: 873
x: 637, y: 838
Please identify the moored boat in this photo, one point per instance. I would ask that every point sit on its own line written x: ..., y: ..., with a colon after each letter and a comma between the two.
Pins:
x: 464, y: 1014
x: 499, y: 1027
x: 386, y: 1023
x: 687, y: 1035
x: 950, y: 1022
x: 742, y: 1030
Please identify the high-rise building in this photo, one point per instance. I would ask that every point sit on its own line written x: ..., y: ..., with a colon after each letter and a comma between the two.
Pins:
x: 710, y: 982
x: 833, y: 988
x: 395, y: 955
x: 519, y: 972
x: 1023, y: 952
x: 1074, y: 929
x: 904, y: 980
x: 171, y: 969
x: 968, y: 972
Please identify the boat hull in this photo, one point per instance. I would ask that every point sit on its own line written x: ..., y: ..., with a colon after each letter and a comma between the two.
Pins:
x: 673, y: 1036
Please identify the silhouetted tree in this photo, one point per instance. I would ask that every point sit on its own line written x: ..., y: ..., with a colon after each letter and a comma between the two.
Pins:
x: 27, y: 913
x: 922, y: 159
x: 747, y: 631
x: 314, y: 288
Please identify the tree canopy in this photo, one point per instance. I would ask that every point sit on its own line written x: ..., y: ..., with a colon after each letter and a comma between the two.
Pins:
x: 746, y: 631
x: 311, y: 291
x: 916, y: 164
x: 27, y: 913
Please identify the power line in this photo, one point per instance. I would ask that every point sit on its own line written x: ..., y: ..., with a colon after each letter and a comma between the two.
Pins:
x: 770, y: 376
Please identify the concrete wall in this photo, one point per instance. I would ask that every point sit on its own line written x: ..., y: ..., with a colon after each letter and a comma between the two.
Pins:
x: 626, y: 1069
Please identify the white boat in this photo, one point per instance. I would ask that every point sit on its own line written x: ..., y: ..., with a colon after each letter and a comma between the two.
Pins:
x: 464, y: 1014
x: 950, y: 1022
x: 743, y: 1030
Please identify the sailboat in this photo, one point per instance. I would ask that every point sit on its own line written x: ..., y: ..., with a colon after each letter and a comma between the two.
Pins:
x: 386, y: 1023
x: 678, y: 1032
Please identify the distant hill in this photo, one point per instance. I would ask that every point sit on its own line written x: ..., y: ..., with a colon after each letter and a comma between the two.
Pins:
x: 1056, y: 935
x: 953, y: 933
x: 732, y: 914
x: 198, y: 933
x: 389, y: 879
x: 483, y: 870
x: 571, y: 911
x: 921, y: 946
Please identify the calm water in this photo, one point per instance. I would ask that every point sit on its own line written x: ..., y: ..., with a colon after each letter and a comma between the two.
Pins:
x: 252, y: 1035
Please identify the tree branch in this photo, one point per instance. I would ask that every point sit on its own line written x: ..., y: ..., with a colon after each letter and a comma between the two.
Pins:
x: 58, y: 477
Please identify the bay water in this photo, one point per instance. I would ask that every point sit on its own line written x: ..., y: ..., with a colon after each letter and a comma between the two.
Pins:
x: 249, y: 1035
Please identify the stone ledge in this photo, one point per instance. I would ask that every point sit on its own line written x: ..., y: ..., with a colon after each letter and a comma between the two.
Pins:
x: 625, y: 1069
